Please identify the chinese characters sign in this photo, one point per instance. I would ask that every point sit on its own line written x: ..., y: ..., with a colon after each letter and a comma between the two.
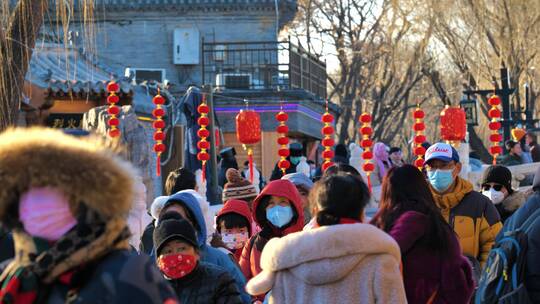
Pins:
x: 65, y: 121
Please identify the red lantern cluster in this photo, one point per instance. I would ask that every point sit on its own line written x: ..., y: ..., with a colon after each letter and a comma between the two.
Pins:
x: 366, y: 143
x: 453, y: 125
x: 283, y: 141
x: 159, y: 125
x: 328, y: 142
x: 203, y: 144
x: 495, y: 114
x: 113, y: 110
x: 248, y: 132
x: 419, y: 138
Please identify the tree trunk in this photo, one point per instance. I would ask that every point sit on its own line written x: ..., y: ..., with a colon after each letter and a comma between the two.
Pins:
x: 15, y: 54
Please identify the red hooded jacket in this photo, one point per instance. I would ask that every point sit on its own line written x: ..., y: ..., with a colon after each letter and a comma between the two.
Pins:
x: 251, y: 255
x: 241, y: 208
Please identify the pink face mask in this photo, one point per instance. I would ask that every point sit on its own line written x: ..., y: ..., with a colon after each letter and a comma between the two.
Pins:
x: 45, y: 213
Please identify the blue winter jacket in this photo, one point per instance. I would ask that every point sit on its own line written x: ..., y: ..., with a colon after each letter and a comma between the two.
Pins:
x: 209, y: 254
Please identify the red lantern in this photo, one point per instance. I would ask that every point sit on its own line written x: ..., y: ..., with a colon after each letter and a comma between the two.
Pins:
x: 366, y: 143
x: 248, y: 132
x: 203, y: 121
x: 419, y: 127
x: 113, y: 110
x: 453, y: 124
x: 495, y: 114
x: 159, y: 125
x: 328, y: 142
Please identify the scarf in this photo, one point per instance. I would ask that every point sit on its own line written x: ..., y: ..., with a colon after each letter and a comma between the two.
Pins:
x: 39, y: 263
x: 447, y: 201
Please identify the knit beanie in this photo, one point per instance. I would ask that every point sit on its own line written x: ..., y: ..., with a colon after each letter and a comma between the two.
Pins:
x: 237, y: 187
x: 172, y: 226
x: 500, y: 175
x: 299, y: 179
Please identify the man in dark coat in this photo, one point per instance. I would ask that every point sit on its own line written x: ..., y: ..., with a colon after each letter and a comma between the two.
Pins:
x: 296, y: 151
x: 532, y: 273
x: 530, y: 140
x: 228, y: 160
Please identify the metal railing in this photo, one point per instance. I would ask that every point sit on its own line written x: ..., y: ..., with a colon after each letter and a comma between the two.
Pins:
x: 262, y: 65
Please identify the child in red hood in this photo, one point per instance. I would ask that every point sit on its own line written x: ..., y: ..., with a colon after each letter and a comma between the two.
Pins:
x: 278, y: 211
x: 234, y: 223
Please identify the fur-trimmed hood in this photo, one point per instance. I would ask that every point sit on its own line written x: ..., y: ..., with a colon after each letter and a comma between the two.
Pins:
x: 323, y: 255
x: 85, y: 170
x: 516, y: 200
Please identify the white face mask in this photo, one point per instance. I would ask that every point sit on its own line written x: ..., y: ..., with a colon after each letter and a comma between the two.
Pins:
x: 495, y: 196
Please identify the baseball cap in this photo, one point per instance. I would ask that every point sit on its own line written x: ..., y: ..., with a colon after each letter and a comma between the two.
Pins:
x: 442, y: 151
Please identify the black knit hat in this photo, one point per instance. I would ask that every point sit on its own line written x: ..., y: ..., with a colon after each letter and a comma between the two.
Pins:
x: 172, y: 226
x: 500, y: 175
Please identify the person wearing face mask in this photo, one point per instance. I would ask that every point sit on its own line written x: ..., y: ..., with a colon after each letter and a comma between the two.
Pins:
x: 66, y: 201
x: 179, y: 261
x: 278, y: 211
x: 513, y: 158
x: 234, y: 224
x: 472, y: 215
x: 497, y: 186
x: 296, y: 152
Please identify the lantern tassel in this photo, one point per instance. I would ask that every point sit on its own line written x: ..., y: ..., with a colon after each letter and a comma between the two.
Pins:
x: 158, y: 165
x: 369, y: 183
x: 250, y: 158
x: 203, y: 171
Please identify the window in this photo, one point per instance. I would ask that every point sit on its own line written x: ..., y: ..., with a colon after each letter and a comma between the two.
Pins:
x: 149, y: 74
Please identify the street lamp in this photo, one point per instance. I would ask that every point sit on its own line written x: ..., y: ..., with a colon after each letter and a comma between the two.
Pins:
x: 471, y: 113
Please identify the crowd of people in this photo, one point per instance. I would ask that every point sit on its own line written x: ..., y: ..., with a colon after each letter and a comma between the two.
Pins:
x: 66, y: 210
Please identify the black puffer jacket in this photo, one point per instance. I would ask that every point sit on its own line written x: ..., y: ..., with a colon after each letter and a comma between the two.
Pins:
x: 207, y: 284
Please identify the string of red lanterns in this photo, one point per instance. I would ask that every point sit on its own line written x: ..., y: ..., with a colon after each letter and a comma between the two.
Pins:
x: 328, y: 142
x: 282, y: 130
x: 203, y: 121
x: 159, y: 125
x: 366, y: 143
x: 113, y: 110
x: 495, y: 114
x: 248, y: 132
x: 419, y: 138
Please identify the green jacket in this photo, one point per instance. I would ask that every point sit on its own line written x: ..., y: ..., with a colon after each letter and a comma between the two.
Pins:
x: 510, y: 160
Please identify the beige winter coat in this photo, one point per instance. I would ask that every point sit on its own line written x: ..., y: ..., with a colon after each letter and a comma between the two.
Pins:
x: 351, y: 263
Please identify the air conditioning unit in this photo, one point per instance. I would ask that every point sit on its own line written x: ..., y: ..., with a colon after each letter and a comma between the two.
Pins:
x: 233, y: 81
x: 220, y: 52
x: 186, y: 46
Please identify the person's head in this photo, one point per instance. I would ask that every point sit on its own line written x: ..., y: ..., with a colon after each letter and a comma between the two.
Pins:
x: 497, y: 183
x: 395, y: 154
x: 180, y: 179
x: 442, y: 166
x: 246, y: 165
x: 530, y: 138
x: 279, y: 206
x: 380, y: 151
x: 233, y: 222
x: 302, y: 183
x: 238, y: 187
x: 176, y: 247
x: 513, y: 147
x: 406, y: 189
x: 339, y: 196
x: 296, y: 152
x: 340, y: 168
x: 341, y: 151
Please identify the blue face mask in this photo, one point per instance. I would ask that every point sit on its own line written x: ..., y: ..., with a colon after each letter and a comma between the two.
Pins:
x: 295, y: 160
x: 279, y: 216
x: 441, y: 180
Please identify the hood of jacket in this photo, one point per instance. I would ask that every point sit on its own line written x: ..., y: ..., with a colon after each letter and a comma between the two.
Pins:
x: 326, y: 254
x: 239, y: 207
x: 286, y: 189
x: 516, y: 200
x: 190, y: 202
x: 86, y: 170
x: 205, y: 208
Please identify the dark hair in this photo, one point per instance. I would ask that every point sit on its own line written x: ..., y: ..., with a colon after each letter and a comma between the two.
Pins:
x: 406, y: 189
x: 232, y: 220
x: 339, y: 196
x: 341, y: 150
x: 394, y: 150
x: 340, y: 168
x: 510, y: 144
x: 178, y: 180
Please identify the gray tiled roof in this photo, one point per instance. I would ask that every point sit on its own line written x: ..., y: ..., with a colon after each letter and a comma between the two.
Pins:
x: 135, y: 4
x: 66, y: 71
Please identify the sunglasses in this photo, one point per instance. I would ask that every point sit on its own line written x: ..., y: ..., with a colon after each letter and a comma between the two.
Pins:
x: 496, y: 187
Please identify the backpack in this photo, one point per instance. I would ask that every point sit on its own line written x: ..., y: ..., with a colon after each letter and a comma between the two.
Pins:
x: 502, y: 280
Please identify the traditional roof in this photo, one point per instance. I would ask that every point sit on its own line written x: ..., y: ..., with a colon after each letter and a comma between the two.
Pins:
x: 64, y: 71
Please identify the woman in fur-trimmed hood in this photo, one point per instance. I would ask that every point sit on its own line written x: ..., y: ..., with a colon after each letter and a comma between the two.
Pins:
x: 66, y: 201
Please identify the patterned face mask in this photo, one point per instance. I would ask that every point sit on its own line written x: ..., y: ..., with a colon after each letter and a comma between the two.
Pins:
x: 176, y: 265
x: 235, y: 240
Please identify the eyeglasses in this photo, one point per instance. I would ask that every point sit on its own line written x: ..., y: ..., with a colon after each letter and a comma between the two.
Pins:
x: 496, y: 187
